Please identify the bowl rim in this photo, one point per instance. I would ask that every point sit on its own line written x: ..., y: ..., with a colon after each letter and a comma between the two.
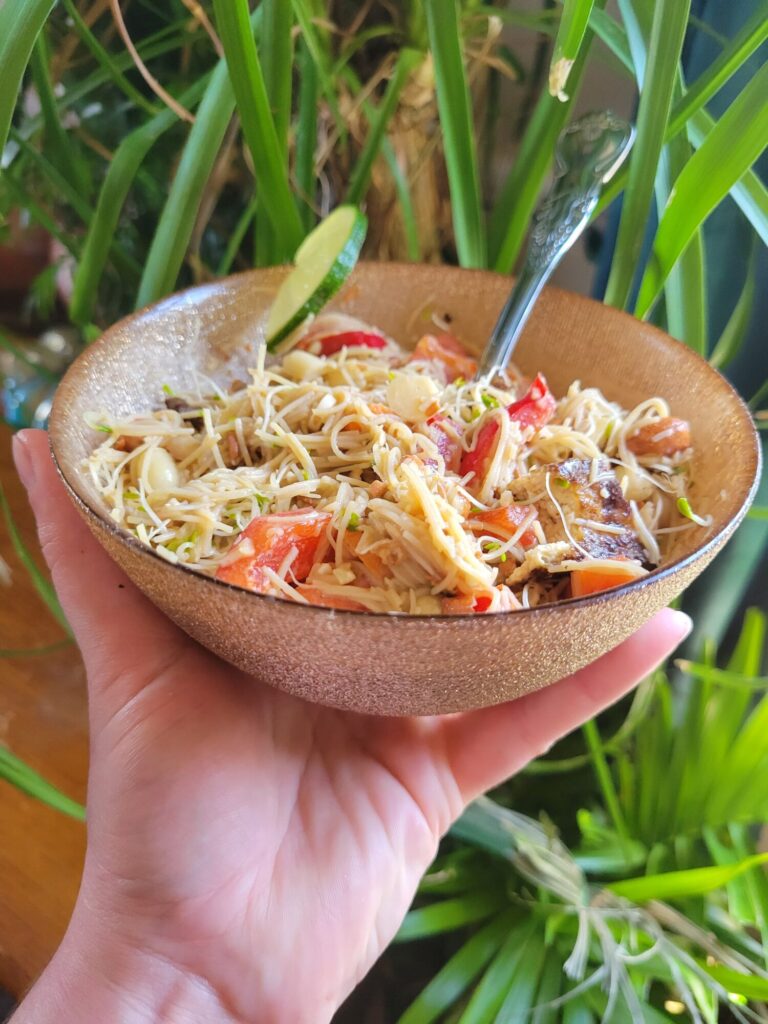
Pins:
x: 660, y: 572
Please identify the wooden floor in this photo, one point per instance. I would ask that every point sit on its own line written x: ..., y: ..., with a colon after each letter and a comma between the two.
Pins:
x: 43, y: 721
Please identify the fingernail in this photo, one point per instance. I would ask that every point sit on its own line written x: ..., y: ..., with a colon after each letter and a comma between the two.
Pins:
x: 682, y: 623
x: 22, y: 456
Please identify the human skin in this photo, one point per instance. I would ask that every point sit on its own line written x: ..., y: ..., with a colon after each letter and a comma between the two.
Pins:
x: 251, y: 855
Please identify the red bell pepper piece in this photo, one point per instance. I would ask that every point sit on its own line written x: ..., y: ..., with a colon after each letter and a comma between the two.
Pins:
x: 534, y: 409
x: 333, y: 343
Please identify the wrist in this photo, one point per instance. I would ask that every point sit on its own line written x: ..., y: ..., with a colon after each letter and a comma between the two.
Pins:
x: 93, y: 979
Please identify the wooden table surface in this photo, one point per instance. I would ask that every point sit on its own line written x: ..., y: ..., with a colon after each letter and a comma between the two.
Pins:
x: 43, y: 721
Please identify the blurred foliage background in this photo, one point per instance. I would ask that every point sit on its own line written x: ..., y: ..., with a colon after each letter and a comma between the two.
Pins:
x: 149, y: 146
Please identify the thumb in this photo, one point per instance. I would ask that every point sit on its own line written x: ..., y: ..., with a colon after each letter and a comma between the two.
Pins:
x: 123, y: 638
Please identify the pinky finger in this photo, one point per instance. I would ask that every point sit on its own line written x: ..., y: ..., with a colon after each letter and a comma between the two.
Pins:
x: 485, y: 747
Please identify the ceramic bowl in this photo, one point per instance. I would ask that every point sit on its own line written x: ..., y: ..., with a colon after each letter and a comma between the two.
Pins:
x: 397, y: 665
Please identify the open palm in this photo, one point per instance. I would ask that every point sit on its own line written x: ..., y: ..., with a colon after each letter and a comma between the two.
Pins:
x: 263, y: 846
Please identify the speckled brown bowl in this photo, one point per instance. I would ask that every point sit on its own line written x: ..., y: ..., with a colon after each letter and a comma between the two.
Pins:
x: 380, y: 663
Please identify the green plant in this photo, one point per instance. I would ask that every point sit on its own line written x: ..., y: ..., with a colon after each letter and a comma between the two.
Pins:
x: 663, y: 898
x: 398, y: 106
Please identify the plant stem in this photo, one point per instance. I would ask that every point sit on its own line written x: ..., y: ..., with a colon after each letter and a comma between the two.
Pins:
x: 604, y: 778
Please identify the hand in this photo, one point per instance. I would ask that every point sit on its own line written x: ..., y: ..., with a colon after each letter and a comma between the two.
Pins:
x: 250, y: 855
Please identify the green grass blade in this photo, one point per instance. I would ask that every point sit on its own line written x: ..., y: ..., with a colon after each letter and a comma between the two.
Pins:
x: 749, y: 985
x: 550, y: 987
x: 258, y: 125
x: 318, y: 52
x: 20, y: 775
x: 41, y: 583
x: 410, y: 226
x: 157, y: 45
x: 512, y: 212
x: 306, y: 137
x: 58, y: 182
x: 276, y: 53
x: 174, y: 229
x: 41, y: 215
x: 735, y: 331
x: 730, y: 149
x: 235, y: 239
x: 749, y: 194
x: 544, y: 21
x: 455, y: 109
x: 450, y: 983
x: 577, y: 1011
x: 753, y: 34
x: 675, y: 885
x: 106, y: 61
x: 448, y: 915
x: 670, y: 18
x: 361, y: 173
x: 21, y: 21
x: 604, y: 777
x: 58, y: 140
x: 685, y: 291
x: 119, y: 178
x: 613, y: 35
x: 521, y: 994
x: 570, y: 36
x: 739, y: 904
x: 756, y: 884
x: 490, y: 993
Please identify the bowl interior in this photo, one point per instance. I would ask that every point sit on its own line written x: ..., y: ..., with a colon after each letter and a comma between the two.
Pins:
x: 214, y: 331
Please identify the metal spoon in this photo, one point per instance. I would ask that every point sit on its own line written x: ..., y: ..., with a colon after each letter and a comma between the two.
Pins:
x: 588, y: 154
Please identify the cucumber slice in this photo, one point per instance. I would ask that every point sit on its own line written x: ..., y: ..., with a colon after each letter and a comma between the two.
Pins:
x: 323, y: 262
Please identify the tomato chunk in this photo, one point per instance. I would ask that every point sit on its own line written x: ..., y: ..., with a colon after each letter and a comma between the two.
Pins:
x: 534, y: 409
x: 505, y: 522
x: 319, y: 597
x: 666, y: 436
x: 443, y: 432
x: 333, y: 343
x: 593, y: 581
x: 466, y: 604
x: 446, y: 349
x: 265, y: 543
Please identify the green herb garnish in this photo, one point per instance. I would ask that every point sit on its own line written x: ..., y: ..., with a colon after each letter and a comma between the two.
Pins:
x: 684, y: 508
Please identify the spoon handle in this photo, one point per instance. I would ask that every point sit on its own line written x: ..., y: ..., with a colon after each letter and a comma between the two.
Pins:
x: 588, y: 154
